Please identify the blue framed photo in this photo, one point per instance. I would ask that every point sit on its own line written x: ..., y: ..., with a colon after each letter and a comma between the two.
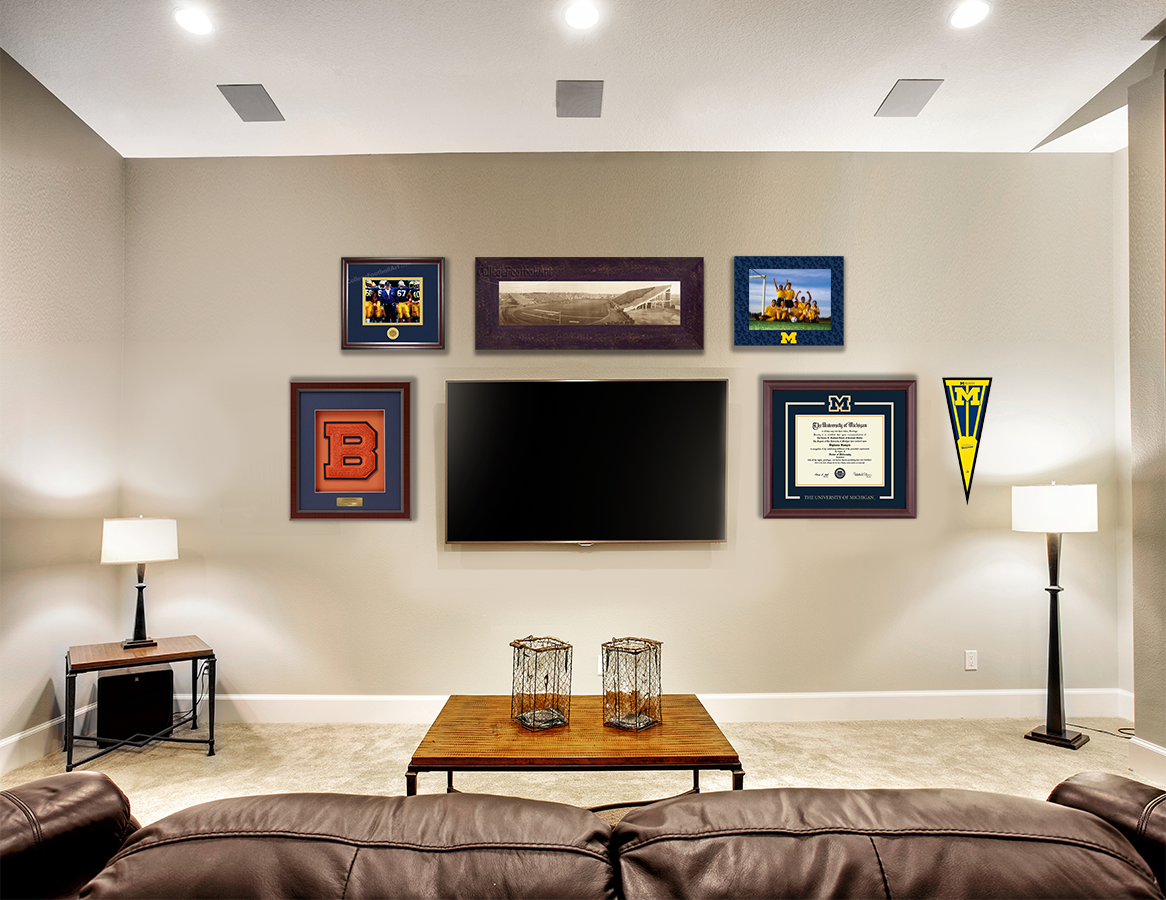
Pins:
x: 838, y: 449
x: 393, y: 303
x: 350, y: 450
x: 787, y: 301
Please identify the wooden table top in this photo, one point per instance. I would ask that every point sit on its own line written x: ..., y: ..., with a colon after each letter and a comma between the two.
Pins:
x: 476, y: 730
x: 112, y: 656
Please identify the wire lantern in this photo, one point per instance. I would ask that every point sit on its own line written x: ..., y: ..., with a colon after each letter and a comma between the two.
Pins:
x: 631, y: 684
x: 541, y: 696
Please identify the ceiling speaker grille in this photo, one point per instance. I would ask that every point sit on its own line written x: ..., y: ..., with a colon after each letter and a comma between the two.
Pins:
x: 909, y: 96
x: 578, y: 99
x: 251, y: 102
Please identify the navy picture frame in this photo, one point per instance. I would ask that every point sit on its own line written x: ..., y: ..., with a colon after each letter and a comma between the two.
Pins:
x: 807, y: 275
x: 369, y: 302
x: 818, y: 461
x: 687, y: 272
x: 371, y: 478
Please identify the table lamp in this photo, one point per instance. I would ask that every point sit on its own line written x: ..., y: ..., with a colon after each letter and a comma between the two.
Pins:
x: 140, y: 541
x: 1054, y: 509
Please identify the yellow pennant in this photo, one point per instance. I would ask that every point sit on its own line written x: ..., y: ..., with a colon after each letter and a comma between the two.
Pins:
x: 967, y: 402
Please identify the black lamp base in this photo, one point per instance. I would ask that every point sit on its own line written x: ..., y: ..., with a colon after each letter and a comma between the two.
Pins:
x: 1072, y: 740
x: 140, y: 639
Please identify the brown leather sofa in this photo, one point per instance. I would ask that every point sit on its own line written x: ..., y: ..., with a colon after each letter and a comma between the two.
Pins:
x: 1100, y: 836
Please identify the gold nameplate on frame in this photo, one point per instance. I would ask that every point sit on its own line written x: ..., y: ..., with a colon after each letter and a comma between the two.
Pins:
x: 350, y: 501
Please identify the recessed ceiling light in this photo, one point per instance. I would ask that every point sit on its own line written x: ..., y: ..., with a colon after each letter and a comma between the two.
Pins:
x: 193, y: 20
x: 581, y: 15
x: 969, y: 13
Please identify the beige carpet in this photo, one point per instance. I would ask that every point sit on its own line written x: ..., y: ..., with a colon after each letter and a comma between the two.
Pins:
x: 982, y: 754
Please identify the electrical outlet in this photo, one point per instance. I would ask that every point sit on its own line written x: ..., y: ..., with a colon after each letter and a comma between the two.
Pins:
x: 971, y: 662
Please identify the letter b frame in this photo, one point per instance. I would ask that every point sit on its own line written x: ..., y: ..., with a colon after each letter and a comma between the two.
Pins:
x: 350, y: 450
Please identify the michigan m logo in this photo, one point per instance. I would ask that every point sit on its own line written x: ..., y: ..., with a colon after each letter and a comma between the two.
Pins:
x: 967, y: 395
x: 839, y: 403
x: 789, y: 337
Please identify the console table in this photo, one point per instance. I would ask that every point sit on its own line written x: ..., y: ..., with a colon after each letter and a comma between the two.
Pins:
x: 476, y: 733
x: 96, y: 657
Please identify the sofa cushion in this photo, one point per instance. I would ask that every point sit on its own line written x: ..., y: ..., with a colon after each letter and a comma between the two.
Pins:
x: 341, y: 845
x: 57, y: 832
x: 800, y: 842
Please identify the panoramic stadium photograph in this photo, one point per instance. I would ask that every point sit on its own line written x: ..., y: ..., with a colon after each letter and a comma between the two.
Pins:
x: 589, y: 303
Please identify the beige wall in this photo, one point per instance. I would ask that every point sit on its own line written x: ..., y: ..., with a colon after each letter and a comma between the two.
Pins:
x: 955, y: 265
x: 1148, y: 400
x: 62, y: 233
x: 1123, y: 440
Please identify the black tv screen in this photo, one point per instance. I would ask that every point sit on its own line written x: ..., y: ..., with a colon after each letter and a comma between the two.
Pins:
x: 585, y: 461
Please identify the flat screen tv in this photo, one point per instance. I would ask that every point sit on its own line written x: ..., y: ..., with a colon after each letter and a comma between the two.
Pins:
x: 584, y: 462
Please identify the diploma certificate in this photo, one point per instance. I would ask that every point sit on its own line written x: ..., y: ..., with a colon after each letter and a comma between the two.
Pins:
x: 839, y: 450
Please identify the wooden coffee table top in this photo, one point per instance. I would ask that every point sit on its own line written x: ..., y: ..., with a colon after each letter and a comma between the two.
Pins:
x: 475, y: 731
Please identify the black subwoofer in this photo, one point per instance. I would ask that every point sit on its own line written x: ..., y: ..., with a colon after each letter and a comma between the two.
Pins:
x: 135, y: 703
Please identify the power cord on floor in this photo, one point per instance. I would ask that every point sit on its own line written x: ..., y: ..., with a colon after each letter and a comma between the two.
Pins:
x: 197, y: 692
x: 1124, y: 733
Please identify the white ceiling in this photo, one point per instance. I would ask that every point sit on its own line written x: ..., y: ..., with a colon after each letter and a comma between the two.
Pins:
x: 404, y: 76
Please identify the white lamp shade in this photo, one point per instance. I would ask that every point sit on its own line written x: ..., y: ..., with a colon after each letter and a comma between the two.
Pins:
x: 139, y: 540
x: 1053, y: 508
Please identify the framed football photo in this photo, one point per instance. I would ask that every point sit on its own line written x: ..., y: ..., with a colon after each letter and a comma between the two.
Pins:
x: 392, y: 303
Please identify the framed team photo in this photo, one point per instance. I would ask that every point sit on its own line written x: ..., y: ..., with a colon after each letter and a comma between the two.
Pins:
x: 350, y: 450
x: 393, y: 303
x: 589, y: 303
x: 787, y: 301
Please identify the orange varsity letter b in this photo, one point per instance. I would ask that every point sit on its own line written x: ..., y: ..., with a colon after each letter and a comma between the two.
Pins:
x: 351, y: 450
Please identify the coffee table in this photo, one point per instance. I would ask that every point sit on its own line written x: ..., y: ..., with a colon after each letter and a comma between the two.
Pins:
x: 474, y: 733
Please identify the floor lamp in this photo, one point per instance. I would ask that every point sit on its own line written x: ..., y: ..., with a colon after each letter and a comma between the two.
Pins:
x: 1054, y: 509
x: 140, y: 541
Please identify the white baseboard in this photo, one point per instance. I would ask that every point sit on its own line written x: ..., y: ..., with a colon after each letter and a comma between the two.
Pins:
x: 43, y: 739
x: 33, y: 743
x: 858, y: 705
x: 421, y: 710
x: 1148, y: 760
x: 375, y: 709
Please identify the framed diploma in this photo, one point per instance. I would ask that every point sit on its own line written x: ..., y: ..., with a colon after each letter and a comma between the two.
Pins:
x: 839, y: 449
